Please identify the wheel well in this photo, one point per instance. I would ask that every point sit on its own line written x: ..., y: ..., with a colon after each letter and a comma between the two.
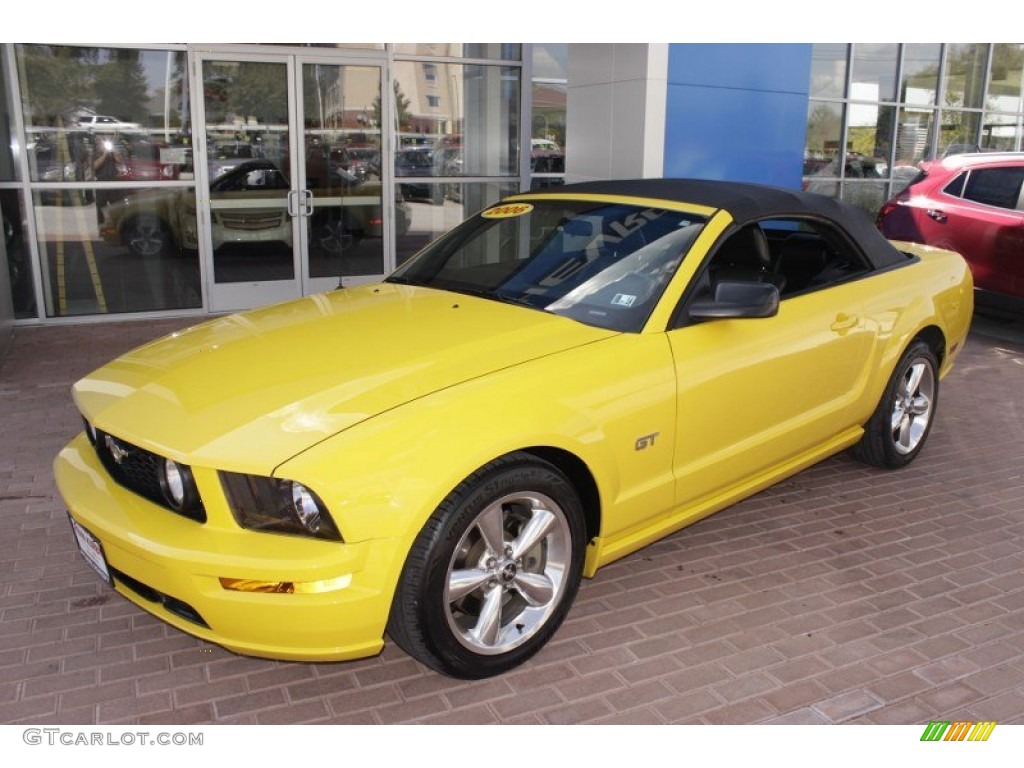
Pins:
x: 936, y: 339
x: 581, y: 478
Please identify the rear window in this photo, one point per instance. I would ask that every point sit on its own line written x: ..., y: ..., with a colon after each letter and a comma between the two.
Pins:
x: 956, y: 186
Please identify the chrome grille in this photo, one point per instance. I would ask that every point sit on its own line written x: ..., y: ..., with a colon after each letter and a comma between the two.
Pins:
x: 252, y: 222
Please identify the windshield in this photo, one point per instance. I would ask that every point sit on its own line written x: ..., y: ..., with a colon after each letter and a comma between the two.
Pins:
x: 603, y: 264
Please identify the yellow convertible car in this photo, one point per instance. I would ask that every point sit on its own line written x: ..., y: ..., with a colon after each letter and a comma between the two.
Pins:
x: 559, y: 381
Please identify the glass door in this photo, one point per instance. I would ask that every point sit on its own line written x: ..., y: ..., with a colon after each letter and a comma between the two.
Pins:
x: 341, y: 173
x: 291, y: 151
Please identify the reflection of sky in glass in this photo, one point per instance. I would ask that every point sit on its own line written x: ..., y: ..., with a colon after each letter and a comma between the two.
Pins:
x: 828, y: 70
x: 875, y: 64
x: 920, y: 73
x: 551, y: 61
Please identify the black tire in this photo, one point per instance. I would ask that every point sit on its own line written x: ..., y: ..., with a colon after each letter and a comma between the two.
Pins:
x: 900, y: 425
x: 146, y: 235
x: 470, y: 611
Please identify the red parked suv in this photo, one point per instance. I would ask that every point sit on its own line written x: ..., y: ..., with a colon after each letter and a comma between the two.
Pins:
x: 973, y: 204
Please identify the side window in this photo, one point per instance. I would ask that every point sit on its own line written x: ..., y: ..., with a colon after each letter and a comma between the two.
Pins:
x: 797, y: 256
x: 995, y: 186
x: 810, y: 255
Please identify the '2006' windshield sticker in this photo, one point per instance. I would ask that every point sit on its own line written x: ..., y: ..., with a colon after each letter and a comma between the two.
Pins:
x: 507, y: 211
x: 623, y: 300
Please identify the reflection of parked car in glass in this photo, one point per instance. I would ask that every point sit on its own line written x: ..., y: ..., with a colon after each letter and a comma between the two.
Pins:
x: 225, y: 156
x: 546, y: 157
x: 972, y: 204
x: 106, y: 123
x: 417, y: 162
x: 143, y: 163
x: 151, y: 221
x: 864, y: 179
x: 364, y: 162
x: 856, y: 166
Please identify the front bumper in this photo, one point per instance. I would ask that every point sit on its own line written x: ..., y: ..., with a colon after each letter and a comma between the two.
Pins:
x: 162, y: 562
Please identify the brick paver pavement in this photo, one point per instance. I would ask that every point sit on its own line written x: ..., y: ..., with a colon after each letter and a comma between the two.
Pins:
x: 845, y: 594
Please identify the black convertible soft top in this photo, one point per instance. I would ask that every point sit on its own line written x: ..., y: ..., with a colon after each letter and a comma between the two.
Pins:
x: 750, y: 202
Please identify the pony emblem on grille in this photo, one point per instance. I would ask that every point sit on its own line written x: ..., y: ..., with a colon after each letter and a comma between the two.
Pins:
x: 117, y: 451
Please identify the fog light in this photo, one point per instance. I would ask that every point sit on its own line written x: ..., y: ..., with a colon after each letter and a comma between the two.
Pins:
x: 174, y: 483
x: 178, y: 486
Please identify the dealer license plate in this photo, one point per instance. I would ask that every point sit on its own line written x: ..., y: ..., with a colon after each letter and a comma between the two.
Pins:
x: 91, y: 550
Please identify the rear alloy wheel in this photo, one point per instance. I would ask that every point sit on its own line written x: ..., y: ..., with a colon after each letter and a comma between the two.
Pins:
x: 494, y: 572
x: 900, y: 425
x: 146, y: 236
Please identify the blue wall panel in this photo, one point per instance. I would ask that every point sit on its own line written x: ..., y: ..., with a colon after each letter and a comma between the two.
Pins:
x: 737, y: 112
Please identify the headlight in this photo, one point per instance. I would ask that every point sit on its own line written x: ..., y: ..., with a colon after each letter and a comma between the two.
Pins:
x: 277, y: 506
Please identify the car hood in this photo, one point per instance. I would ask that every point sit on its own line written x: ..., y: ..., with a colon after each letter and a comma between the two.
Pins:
x: 249, y: 391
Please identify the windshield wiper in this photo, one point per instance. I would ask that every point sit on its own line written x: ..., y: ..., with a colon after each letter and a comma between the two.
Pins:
x: 508, y: 298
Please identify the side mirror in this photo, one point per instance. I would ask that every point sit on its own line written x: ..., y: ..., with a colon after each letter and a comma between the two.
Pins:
x: 737, y: 299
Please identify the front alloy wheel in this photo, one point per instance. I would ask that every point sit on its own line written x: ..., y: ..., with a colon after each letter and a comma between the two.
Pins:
x: 494, y: 571
x: 508, y: 573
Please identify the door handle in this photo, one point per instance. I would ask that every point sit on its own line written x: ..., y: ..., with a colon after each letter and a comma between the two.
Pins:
x: 306, y: 196
x: 844, y: 322
x: 293, y: 203
x: 936, y: 214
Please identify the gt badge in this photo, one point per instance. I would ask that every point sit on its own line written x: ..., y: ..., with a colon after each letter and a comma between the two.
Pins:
x: 646, y: 441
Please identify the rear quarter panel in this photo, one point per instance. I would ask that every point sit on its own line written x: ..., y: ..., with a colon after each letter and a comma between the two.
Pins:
x: 932, y: 291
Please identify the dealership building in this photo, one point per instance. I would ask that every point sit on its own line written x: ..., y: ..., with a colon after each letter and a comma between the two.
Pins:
x: 197, y: 179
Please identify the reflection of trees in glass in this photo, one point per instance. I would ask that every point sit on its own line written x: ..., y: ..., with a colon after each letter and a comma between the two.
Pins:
x: 56, y: 80
x: 874, y: 140
x: 920, y: 78
x: 965, y: 74
x: 402, y: 115
x: 824, y: 126
x: 246, y: 90
x: 121, y: 87
x: 261, y: 91
x: 66, y: 80
x: 1004, y: 85
x: 316, y: 80
x: 958, y: 132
